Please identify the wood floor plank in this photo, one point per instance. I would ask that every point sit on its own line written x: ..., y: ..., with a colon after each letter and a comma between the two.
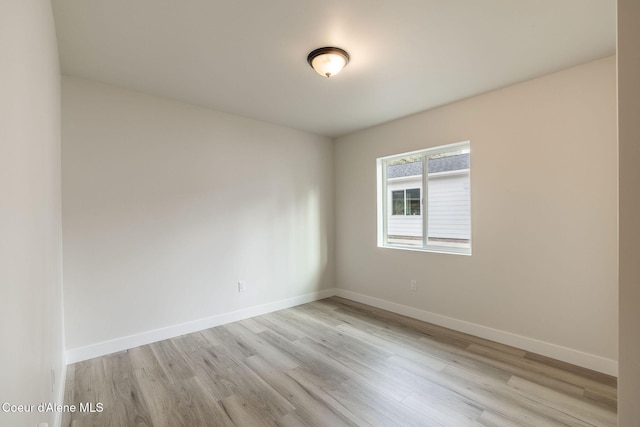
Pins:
x: 222, y: 337
x: 332, y: 336
x: 390, y: 349
x: 260, y: 347
x: 318, y: 315
x: 446, y: 414
x: 242, y: 413
x: 328, y: 304
x: 172, y: 361
x: 90, y: 379
x: 205, y: 364
x: 532, y: 369
x: 381, y: 316
x: 212, y: 336
x: 575, y: 407
x: 191, y: 342
x: 378, y: 408
x: 125, y: 401
x: 365, y: 371
x: 452, y: 355
x: 309, y: 382
x: 435, y: 332
x: 609, y: 401
x: 334, y: 363
x: 492, y: 359
x: 295, y: 419
x: 210, y: 411
x: 326, y: 369
x: 501, y: 399
x: 248, y: 385
x: 159, y: 396
x: 143, y: 357
x: 598, y: 377
x: 491, y: 419
x: 308, y: 406
x: 253, y: 325
x: 275, y: 324
x: 456, y: 356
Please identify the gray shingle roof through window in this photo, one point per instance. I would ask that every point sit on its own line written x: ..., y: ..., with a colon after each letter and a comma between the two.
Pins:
x: 404, y: 169
x: 442, y: 164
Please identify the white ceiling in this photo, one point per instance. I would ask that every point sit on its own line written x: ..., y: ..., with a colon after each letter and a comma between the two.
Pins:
x: 248, y: 57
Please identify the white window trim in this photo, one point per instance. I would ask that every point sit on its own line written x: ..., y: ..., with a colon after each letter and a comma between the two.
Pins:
x: 382, y: 202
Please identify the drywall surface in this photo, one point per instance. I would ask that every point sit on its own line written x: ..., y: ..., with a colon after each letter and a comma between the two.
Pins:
x: 167, y: 206
x: 31, y: 315
x: 629, y: 145
x: 543, y: 188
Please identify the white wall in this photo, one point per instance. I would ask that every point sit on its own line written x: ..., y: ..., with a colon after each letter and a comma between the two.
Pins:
x: 543, y: 273
x: 31, y: 330
x: 629, y: 146
x: 166, y: 206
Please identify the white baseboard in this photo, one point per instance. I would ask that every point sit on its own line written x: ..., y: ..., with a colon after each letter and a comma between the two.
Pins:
x: 575, y: 357
x: 112, y: 346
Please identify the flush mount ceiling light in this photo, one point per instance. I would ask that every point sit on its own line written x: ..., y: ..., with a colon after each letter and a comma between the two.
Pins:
x: 328, y: 61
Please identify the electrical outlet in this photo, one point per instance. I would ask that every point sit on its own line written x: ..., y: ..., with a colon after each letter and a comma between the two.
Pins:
x: 413, y: 285
x: 242, y: 286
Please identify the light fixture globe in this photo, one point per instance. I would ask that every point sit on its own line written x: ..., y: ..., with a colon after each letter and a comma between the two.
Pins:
x: 328, y: 61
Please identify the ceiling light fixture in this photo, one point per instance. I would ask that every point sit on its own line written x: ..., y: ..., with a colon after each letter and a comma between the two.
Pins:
x: 328, y: 61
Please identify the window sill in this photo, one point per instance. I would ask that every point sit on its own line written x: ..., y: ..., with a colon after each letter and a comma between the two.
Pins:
x: 432, y: 249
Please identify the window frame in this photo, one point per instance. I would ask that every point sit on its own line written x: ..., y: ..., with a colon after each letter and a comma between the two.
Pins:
x: 383, y: 200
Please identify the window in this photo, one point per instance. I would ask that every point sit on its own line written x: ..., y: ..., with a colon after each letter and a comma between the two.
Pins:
x: 424, y: 199
x: 406, y: 202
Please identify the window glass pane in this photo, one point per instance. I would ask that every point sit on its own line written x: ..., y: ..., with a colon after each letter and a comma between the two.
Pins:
x: 449, y: 200
x: 413, y: 201
x: 404, y: 181
x: 397, y: 203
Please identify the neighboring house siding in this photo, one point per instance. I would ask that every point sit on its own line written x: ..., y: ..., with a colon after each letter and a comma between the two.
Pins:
x: 405, y: 226
x: 449, y: 202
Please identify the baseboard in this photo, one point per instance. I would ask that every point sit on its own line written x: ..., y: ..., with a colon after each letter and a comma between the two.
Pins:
x: 565, y: 354
x: 112, y: 346
x: 575, y: 357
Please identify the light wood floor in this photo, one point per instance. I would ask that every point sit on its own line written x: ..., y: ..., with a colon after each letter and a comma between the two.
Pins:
x: 336, y: 363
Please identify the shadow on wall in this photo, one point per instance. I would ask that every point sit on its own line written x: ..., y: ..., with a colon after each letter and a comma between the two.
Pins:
x: 283, y: 238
